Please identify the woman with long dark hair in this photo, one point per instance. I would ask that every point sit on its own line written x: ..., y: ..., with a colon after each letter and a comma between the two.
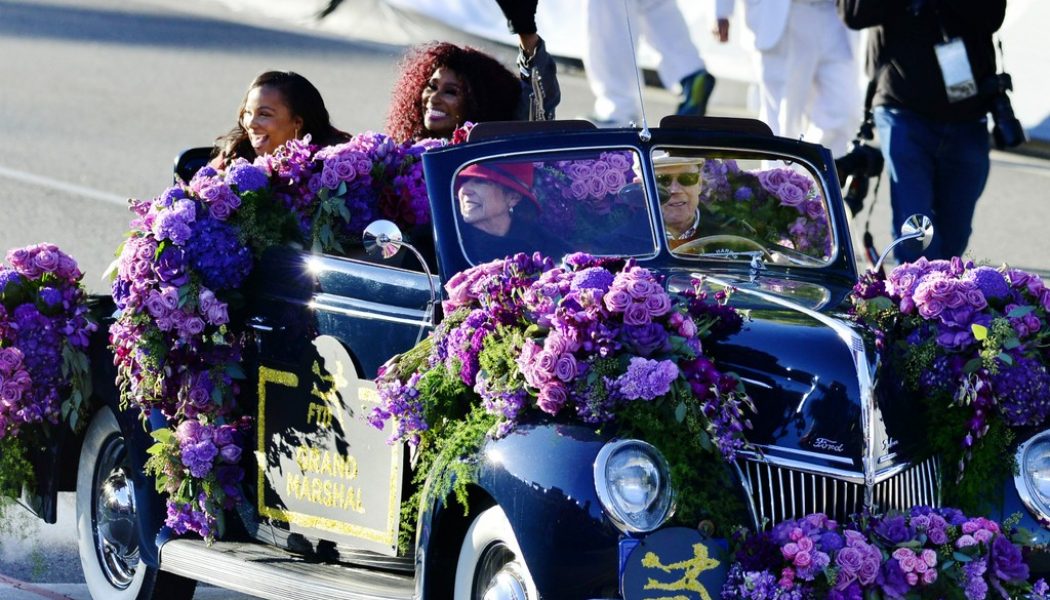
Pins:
x: 278, y: 106
x: 443, y: 85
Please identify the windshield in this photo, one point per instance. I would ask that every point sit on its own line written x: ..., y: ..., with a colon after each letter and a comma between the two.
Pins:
x: 713, y: 205
x: 735, y: 206
x: 557, y: 203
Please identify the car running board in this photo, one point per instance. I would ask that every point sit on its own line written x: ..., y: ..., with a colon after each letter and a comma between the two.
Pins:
x: 269, y: 572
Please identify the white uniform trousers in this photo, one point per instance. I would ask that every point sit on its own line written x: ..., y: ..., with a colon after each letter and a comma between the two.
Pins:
x: 809, y: 79
x: 607, y: 55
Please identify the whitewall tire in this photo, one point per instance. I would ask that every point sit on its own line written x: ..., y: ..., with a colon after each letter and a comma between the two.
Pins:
x: 491, y: 565
x: 107, y: 523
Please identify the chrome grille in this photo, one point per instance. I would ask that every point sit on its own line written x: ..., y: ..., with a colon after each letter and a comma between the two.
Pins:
x: 779, y: 493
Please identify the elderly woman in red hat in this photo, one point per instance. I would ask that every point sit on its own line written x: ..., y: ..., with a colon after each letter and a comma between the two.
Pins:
x: 490, y: 202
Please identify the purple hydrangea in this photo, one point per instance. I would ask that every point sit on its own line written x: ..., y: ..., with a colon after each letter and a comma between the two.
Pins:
x: 217, y: 255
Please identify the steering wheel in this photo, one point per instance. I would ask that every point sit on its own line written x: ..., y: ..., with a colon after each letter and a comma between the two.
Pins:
x: 699, y: 246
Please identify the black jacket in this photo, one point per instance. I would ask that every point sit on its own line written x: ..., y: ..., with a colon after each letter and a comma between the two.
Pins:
x: 901, y: 50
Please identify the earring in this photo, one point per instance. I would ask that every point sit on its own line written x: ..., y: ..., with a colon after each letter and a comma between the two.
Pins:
x: 511, y: 210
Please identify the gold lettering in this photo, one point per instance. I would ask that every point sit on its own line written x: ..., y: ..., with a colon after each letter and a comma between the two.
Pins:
x: 315, y: 490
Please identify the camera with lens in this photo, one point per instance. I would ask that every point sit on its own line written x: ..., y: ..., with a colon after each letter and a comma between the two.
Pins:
x: 857, y: 167
x: 1007, y: 130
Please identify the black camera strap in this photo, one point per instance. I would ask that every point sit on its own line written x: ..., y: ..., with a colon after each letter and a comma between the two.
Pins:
x: 866, y: 133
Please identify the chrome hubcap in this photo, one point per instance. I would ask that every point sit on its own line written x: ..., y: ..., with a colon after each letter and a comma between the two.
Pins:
x: 115, y: 526
x: 499, y: 577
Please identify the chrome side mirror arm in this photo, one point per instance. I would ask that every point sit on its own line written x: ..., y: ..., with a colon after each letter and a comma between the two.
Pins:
x: 916, y: 227
x: 385, y: 239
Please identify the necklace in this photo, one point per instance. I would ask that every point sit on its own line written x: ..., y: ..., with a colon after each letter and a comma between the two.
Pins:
x: 688, y: 233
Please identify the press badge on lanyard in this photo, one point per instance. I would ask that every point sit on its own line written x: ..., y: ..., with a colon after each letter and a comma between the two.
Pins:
x: 955, y: 67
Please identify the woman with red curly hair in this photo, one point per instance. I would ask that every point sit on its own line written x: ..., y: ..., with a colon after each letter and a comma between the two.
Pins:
x: 443, y: 85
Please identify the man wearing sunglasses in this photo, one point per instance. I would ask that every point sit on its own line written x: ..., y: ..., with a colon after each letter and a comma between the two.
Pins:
x: 678, y: 183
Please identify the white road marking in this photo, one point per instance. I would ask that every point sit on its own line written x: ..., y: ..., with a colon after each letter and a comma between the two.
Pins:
x: 63, y: 186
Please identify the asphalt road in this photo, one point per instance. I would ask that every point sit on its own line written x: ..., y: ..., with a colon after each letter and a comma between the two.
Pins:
x: 98, y: 96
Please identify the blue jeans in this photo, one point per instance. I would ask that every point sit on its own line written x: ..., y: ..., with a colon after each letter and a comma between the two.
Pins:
x: 937, y: 169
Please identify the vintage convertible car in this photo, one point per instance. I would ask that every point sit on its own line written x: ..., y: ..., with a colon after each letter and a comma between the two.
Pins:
x: 550, y: 515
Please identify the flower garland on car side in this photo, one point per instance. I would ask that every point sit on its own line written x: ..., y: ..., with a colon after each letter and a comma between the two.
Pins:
x: 596, y: 341
x: 972, y: 343
x: 178, y: 339
x: 44, y: 377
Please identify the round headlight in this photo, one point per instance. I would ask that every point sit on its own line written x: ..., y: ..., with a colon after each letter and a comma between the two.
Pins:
x: 1033, y: 477
x: 633, y: 483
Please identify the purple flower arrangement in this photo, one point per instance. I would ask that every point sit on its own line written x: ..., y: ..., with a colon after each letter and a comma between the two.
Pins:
x: 971, y: 341
x: 204, y: 459
x: 177, y: 344
x: 44, y: 331
x: 782, y: 206
x: 576, y: 191
x: 44, y: 376
x: 581, y: 342
x: 924, y: 553
x: 367, y: 178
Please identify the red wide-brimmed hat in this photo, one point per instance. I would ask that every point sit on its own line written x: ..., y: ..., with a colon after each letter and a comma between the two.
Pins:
x: 514, y: 176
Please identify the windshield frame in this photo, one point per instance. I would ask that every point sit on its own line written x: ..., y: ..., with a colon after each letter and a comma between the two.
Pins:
x: 707, y: 151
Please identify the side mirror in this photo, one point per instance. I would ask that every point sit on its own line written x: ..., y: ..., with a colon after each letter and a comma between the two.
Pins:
x: 384, y: 238
x: 916, y: 227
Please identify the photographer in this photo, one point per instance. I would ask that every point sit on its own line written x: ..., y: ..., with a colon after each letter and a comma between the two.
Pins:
x: 933, y: 63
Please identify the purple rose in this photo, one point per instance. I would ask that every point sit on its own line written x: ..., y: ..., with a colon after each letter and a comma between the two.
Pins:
x: 791, y: 195
x: 617, y: 300
x: 230, y: 453
x: 224, y: 435
x: 658, y: 304
x: 565, y: 368
x: 1006, y: 560
x: 645, y: 339
x: 639, y: 289
x: 894, y: 530
x: 171, y: 266
x: 10, y: 392
x: 849, y: 560
x: 636, y: 314
x: 46, y: 260
x: 10, y: 360
x: 551, y: 398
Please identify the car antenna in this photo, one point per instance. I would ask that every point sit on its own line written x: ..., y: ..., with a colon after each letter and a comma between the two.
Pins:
x: 644, y: 134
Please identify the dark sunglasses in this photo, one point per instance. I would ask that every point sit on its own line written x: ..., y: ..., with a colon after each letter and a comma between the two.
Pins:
x: 684, y: 179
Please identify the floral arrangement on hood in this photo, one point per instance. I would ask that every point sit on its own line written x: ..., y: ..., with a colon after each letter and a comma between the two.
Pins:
x: 44, y: 376
x: 923, y: 553
x: 781, y: 206
x: 594, y: 341
x: 972, y: 343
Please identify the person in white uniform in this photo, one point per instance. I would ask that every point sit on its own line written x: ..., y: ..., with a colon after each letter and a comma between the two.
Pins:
x: 610, y: 68
x: 808, y: 73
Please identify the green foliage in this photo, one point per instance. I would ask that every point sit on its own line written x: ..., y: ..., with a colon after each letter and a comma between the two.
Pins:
x: 987, y: 464
x: 441, y: 469
x: 15, y: 468
x: 704, y: 487
x: 263, y: 222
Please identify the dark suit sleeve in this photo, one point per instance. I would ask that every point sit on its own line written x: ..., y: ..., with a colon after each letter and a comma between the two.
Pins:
x: 520, y: 14
x: 859, y: 14
x: 984, y: 16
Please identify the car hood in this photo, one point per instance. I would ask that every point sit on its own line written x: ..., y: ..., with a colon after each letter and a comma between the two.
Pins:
x: 815, y: 383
